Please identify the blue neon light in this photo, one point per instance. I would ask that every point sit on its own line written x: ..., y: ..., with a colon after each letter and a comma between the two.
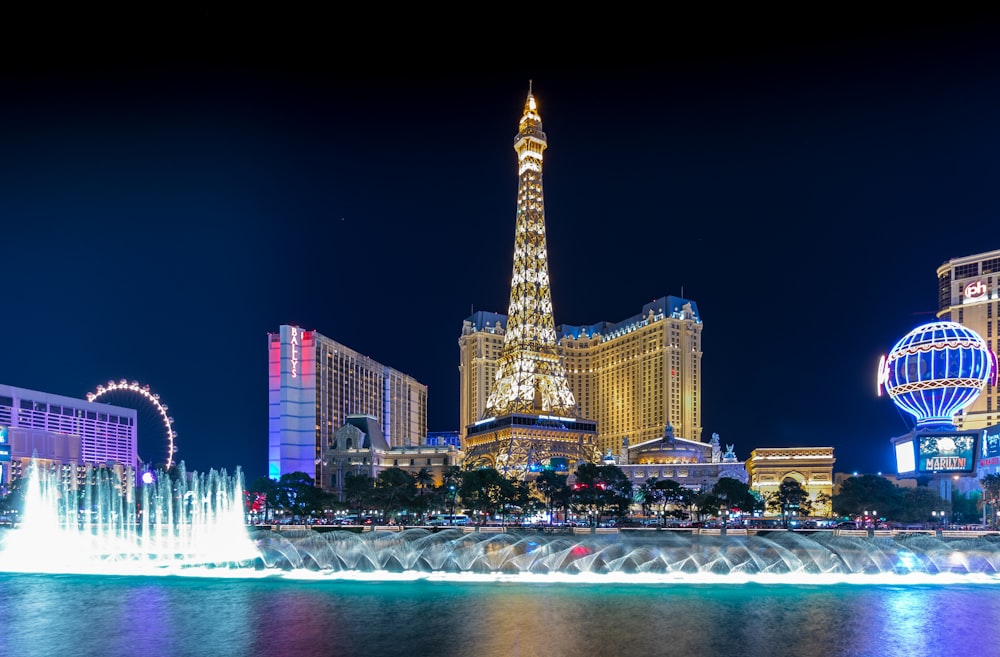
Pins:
x: 936, y: 370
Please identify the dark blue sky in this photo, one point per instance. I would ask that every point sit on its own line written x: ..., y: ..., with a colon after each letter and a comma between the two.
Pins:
x: 167, y: 203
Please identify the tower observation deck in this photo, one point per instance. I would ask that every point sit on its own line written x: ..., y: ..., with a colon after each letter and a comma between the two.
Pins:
x: 531, y: 419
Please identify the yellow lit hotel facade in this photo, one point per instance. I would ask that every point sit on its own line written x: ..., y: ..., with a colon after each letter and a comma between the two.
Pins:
x: 969, y: 294
x: 633, y: 377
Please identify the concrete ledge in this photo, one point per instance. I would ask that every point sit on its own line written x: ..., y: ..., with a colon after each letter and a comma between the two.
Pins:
x: 850, y: 532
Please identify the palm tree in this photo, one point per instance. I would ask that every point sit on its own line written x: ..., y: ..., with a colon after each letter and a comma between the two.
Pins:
x: 423, y: 479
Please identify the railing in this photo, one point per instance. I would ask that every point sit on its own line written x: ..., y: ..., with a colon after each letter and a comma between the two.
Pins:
x: 704, y: 531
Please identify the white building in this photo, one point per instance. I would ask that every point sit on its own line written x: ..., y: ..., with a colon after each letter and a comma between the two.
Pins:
x: 62, y: 432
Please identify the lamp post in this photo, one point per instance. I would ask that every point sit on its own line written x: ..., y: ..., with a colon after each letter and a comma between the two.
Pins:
x: 724, y: 510
x: 937, y: 518
x: 871, y: 521
x: 451, y: 500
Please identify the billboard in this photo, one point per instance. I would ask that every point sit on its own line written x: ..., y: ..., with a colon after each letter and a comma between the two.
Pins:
x: 4, y: 443
x: 990, y: 454
x: 947, y: 452
x: 906, y: 460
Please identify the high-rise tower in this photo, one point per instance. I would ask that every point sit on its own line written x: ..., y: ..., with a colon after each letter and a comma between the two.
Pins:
x: 531, y: 418
x: 969, y: 293
x: 315, y: 383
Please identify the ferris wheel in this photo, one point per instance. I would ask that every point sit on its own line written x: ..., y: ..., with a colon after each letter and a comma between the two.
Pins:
x: 125, y: 394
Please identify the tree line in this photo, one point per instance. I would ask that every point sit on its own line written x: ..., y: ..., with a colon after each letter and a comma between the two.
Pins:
x: 598, y: 493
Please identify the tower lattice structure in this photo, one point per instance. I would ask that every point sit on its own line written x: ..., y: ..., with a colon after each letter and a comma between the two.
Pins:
x: 531, y: 417
x: 530, y: 376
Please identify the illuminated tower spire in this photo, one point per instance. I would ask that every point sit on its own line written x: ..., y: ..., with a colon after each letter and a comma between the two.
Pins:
x: 530, y: 377
x: 531, y: 419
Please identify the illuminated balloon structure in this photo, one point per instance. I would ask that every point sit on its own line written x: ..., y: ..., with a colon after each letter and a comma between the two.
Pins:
x: 935, y: 371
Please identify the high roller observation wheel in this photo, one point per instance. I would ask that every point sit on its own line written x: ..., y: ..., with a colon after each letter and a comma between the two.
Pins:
x: 153, y: 398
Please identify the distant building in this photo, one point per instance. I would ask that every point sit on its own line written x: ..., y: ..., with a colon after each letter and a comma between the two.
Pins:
x: 691, y: 463
x: 358, y: 447
x: 811, y: 467
x: 444, y: 438
x: 315, y: 383
x: 969, y: 294
x: 64, y: 434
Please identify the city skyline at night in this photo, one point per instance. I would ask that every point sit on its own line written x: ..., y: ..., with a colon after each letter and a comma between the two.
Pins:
x: 164, y: 214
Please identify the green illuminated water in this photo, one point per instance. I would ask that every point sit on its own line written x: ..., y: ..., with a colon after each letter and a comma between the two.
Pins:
x: 84, y: 615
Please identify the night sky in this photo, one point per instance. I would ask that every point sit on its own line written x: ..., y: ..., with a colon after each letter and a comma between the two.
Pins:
x: 166, y: 202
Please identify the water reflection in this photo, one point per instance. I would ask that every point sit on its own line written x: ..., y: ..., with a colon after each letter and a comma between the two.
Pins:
x: 187, y: 617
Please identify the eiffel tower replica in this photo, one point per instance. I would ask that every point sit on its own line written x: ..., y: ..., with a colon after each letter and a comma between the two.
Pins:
x: 531, y: 419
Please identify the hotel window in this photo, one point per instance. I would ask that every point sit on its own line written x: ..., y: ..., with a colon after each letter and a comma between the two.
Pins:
x: 964, y: 271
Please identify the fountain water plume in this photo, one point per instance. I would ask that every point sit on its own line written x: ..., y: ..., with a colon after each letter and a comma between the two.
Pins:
x: 778, y: 556
x: 101, y: 526
x: 194, y: 524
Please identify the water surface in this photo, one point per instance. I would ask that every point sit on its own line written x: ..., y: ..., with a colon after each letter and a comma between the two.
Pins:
x: 88, y: 615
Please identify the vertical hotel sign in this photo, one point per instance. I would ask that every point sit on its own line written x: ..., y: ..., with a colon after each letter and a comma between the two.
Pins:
x: 294, y: 351
x: 298, y: 352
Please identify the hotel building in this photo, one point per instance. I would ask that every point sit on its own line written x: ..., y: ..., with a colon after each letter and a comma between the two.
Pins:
x: 315, y: 383
x: 969, y: 294
x: 64, y: 434
x: 634, y: 377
